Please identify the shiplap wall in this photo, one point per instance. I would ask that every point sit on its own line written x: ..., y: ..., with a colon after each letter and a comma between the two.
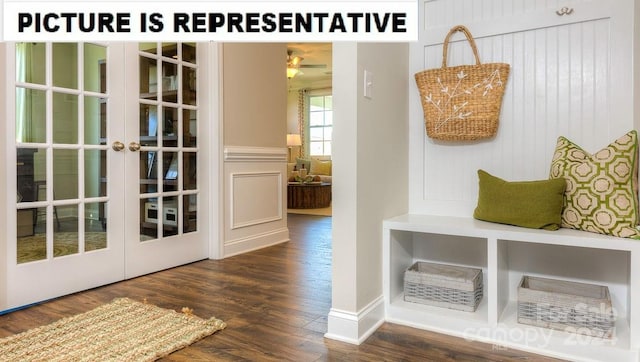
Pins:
x: 565, y: 80
x: 445, y: 12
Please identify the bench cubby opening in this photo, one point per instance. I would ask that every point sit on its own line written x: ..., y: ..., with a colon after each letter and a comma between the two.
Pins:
x: 506, y: 253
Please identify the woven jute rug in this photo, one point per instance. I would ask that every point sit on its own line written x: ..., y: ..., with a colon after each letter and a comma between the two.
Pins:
x: 123, y: 330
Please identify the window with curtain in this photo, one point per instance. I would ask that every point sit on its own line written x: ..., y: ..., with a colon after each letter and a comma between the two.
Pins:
x: 320, y: 125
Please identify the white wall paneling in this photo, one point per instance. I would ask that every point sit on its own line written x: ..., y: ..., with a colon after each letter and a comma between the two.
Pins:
x: 564, y: 81
x: 255, y: 178
x: 500, y: 16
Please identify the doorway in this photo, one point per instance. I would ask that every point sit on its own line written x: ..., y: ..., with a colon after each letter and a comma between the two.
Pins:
x: 310, y: 122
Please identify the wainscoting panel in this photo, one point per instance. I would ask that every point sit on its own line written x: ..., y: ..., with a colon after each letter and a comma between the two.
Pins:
x: 255, y: 198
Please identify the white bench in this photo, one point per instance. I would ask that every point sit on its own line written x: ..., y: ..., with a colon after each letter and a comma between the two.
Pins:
x: 506, y: 253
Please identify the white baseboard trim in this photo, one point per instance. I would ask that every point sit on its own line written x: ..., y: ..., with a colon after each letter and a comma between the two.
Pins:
x: 255, y: 242
x: 355, y: 328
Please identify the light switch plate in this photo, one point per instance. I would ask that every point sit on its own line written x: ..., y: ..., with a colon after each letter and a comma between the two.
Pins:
x: 368, y: 84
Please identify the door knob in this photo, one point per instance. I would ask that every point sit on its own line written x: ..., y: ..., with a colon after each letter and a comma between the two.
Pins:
x: 134, y: 146
x: 117, y: 146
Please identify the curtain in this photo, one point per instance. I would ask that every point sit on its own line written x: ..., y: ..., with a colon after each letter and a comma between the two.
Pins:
x: 23, y: 96
x: 302, y: 124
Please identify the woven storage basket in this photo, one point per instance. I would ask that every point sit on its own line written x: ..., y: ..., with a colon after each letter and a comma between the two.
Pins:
x: 567, y: 306
x: 442, y: 285
x: 463, y: 102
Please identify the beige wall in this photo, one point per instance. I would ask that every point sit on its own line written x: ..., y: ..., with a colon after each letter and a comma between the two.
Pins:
x: 345, y: 183
x: 254, y: 86
x: 292, y: 112
x: 255, y: 94
x: 383, y: 127
x: 370, y: 165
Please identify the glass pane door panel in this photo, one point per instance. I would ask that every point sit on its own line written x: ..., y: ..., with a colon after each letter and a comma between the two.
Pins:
x: 189, y: 85
x: 65, y: 240
x: 148, y: 78
x: 95, y: 120
x: 170, y: 50
x: 32, y: 237
x: 29, y: 60
x: 168, y: 136
x: 189, y: 164
x: 65, y: 174
x: 65, y: 118
x: 95, y: 71
x: 150, y: 48
x: 65, y: 65
x: 95, y: 237
x: 148, y: 125
x: 169, y: 82
x: 190, y: 205
x: 26, y: 170
x: 189, y: 52
x: 28, y: 191
x: 95, y: 173
x: 169, y: 216
x: 149, y: 219
x: 189, y: 128
x: 40, y: 227
x: 149, y: 172
x: 170, y: 127
x: 170, y: 171
x: 31, y: 125
x: 40, y: 169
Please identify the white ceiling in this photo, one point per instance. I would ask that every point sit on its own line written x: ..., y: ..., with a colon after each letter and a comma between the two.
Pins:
x: 313, y: 53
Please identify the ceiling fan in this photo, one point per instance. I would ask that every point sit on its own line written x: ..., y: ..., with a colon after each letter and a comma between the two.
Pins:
x: 294, y: 63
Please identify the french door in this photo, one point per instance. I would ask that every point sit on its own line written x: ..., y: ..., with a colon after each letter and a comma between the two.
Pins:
x: 107, y: 147
x: 162, y: 147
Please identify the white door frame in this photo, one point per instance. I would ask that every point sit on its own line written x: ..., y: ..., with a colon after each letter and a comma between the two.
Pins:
x: 214, y: 79
x: 4, y: 168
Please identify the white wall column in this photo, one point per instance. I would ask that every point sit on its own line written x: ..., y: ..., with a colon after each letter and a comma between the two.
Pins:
x: 370, y: 163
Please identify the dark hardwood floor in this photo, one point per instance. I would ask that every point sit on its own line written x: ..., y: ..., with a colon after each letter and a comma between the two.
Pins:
x: 275, y: 302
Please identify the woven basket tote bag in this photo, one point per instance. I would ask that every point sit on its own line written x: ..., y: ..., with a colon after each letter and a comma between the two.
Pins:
x: 462, y: 103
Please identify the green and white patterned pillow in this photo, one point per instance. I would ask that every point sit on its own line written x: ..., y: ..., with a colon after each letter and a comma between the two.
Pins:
x: 602, y: 189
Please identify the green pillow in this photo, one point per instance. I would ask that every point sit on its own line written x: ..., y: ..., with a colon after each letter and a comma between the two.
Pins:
x: 602, y: 188
x: 303, y: 161
x: 532, y: 204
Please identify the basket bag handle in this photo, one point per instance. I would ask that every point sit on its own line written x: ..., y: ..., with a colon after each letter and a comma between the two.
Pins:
x: 467, y: 33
